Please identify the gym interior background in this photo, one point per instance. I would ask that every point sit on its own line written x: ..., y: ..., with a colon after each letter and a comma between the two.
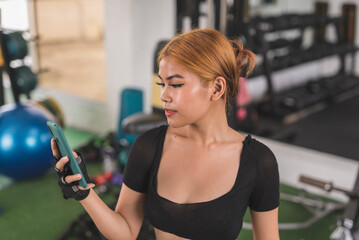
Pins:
x: 302, y: 100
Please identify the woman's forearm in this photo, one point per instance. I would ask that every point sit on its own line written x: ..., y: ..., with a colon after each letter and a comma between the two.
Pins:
x: 110, y: 223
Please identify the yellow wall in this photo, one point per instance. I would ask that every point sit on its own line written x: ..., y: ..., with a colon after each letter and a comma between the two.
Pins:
x: 64, y: 20
x: 156, y: 92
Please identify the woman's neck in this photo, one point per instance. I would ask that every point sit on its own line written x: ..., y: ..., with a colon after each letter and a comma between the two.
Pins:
x: 212, y: 128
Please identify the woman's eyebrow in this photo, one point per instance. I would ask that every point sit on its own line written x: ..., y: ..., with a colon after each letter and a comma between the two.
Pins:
x: 171, y: 77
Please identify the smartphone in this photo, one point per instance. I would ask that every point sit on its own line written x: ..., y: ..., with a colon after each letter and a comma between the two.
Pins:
x: 65, y: 150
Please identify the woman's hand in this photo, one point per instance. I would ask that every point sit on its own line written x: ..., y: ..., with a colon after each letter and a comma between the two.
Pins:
x: 67, y: 181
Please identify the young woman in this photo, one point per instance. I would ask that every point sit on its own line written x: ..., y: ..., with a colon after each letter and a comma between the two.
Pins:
x: 194, y: 178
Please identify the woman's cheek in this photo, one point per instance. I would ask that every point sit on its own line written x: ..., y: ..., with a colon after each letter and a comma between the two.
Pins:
x: 180, y: 97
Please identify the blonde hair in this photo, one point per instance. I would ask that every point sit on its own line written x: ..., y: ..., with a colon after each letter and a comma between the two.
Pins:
x: 209, y: 54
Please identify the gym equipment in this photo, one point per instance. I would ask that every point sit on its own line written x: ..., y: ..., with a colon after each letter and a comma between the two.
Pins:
x: 346, y: 226
x: 15, y: 49
x: 324, y: 91
x: 131, y: 102
x: 187, y: 8
x: 15, y: 44
x: 321, y: 9
x: 117, y: 179
x: 52, y: 106
x: 317, y: 207
x: 91, y: 149
x: 225, y: 16
x: 139, y: 123
x: 278, y: 50
x: 25, y: 79
x: 101, y: 179
x: 24, y: 141
x: 105, y: 182
x: 345, y: 230
x: 237, y: 16
x: 348, y: 25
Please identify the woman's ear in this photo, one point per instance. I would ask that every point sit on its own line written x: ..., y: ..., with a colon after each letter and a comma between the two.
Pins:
x: 219, y: 88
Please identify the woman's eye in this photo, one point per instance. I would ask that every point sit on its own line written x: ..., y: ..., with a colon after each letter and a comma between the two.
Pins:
x: 160, y: 84
x: 172, y: 85
x: 176, y: 85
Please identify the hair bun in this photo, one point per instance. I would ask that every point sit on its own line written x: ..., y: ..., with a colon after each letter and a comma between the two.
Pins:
x: 245, y: 58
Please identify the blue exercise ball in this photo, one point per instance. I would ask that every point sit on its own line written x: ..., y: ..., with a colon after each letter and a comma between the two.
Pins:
x: 25, y: 150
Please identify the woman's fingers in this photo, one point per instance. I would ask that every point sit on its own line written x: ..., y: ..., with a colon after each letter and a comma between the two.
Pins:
x: 72, y: 178
x: 54, y: 148
x: 56, y: 151
x: 61, y: 163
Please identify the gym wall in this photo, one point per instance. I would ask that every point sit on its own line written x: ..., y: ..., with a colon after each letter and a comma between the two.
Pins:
x: 133, y: 29
x: 70, y: 20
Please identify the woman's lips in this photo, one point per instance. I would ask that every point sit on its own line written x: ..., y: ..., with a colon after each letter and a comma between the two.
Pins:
x: 169, y: 112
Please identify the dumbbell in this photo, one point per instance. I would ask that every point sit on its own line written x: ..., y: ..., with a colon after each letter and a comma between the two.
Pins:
x: 16, y: 45
x: 25, y: 79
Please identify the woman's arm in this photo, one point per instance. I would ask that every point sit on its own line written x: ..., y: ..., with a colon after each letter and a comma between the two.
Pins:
x: 123, y: 223
x: 265, y: 225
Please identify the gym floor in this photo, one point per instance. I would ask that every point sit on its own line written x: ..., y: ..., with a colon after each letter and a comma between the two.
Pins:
x: 36, y: 208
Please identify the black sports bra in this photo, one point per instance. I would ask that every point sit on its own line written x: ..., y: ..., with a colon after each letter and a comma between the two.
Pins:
x: 256, y: 186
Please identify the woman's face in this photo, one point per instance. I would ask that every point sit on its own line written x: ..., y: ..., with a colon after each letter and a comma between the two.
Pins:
x: 184, y: 97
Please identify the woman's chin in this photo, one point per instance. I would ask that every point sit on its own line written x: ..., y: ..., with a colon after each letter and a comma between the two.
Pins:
x: 175, y: 124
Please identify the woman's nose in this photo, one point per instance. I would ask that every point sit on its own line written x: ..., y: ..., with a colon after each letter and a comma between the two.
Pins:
x: 165, y: 97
